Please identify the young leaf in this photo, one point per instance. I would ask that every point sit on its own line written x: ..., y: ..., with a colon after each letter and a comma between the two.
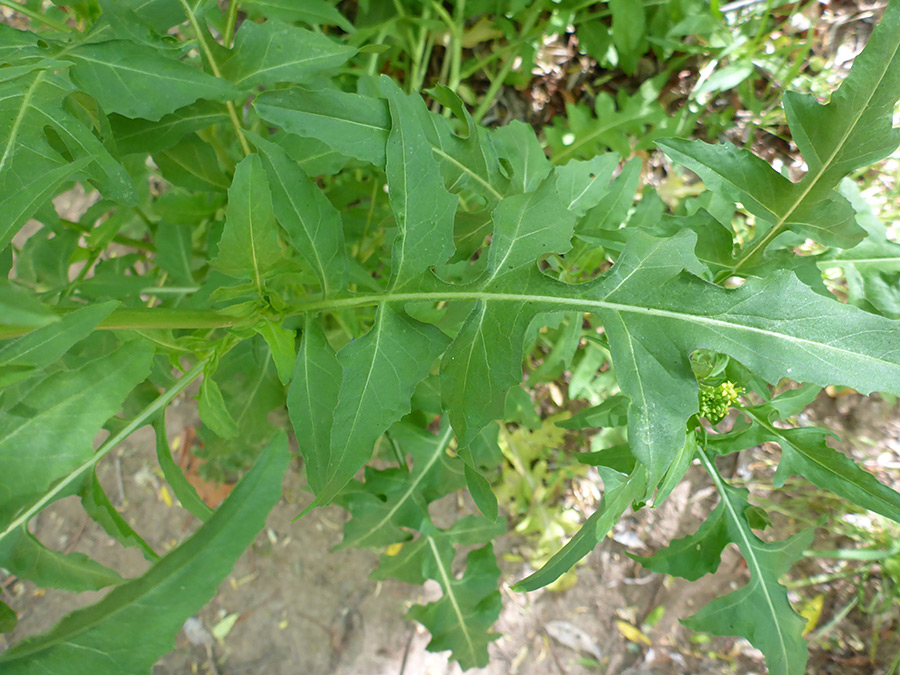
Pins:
x: 281, y: 344
x: 312, y: 224
x: 155, y: 605
x: 312, y: 399
x: 98, y: 506
x: 249, y: 246
x: 424, y: 223
x: 213, y: 411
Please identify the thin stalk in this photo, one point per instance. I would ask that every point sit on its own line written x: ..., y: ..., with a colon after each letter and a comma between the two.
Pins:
x: 36, y: 16
x: 137, y: 422
x: 213, y: 64
x: 119, y: 239
x: 230, y: 21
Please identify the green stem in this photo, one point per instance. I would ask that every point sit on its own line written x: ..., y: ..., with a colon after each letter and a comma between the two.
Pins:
x: 119, y: 239
x: 143, y: 319
x: 213, y: 64
x: 230, y: 20
x: 140, y: 420
x: 36, y: 16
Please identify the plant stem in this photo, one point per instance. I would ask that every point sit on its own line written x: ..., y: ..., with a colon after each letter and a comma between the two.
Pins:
x: 230, y: 20
x: 140, y: 420
x: 232, y: 111
x: 143, y: 319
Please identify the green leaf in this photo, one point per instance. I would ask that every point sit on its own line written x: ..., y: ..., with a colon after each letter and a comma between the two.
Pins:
x: 249, y: 246
x: 155, y: 605
x: 43, y: 346
x: 697, y: 554
x: 23, y: 555
x: 760, y: 610
x: 380, y: 372
x: 272, y: 52
x: 460, y: 621
x: 312, y: 12
x: 192, y: 164
x: 21, y: 308
x: 353, y: 125
x: 528, y: 226
x: 582, y: 185
x: 528, y: 166
x: 391, y: 501
x: 619, y: 491
x: 50, y: 431
x: 129, y: 79
x: 872, y: 267
x: 213, y: 411
x: 424, y: 224
x: 174, y: 252
x: 613, y: 412
x: 482, y: 364
x: 312, y: 398
x: 854, y: 128
x: 612, y: 209
x: 482, y: 494
x: 32, y: 168
x: 741, y: 176
x: 173, y: 474
x: 98, y: 506
x: 312, y: 224
x: 147, y: 136
x: 281, y: 343
x: 805, y: 452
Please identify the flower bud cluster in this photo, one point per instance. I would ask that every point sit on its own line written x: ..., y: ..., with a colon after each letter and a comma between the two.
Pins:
x: 715, y: 401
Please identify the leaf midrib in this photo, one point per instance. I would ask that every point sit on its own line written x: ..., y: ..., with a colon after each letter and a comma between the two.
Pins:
x: 449, y: 593
x: 749, y: 553
x: 577, y: 304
